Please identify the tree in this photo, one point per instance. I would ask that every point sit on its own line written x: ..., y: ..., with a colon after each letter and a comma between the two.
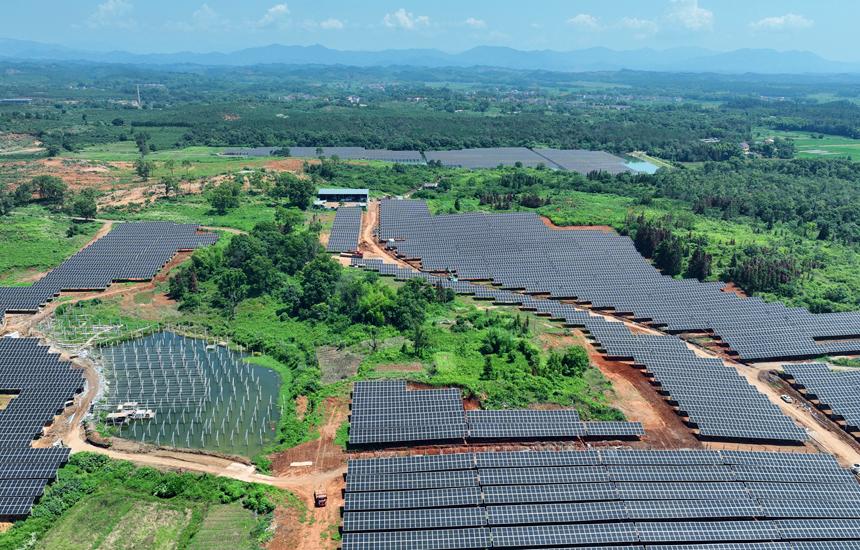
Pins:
x: 700, y: 264
x: 118, y: 122
x: 318, y: 280
x: 262, y: 274
x: 575, y: 362
x: 224, y: 197
x: 6, y: 203
x: 141, y: 138
x: 824, y: 234
x: 320, y: 151
x: 457, y: 205
x: 670, y: 256
x: 171, y: 185
x: 24, y: 193
x: 288, y: 219
x: 50, y: 188
x: 232, y: 288
x: 143, y: 168
x: 300, y: 192
x: 186, y: 164
x: 84, y: 207
x: 170, y: 164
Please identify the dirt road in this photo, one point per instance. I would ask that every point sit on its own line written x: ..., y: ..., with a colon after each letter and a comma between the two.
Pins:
x: 368, y: 243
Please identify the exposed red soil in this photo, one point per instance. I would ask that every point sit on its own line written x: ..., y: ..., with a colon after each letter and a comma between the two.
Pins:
x: 733, y: 287
x: 548, y: 223
x: 638, y: 400
x: 322, y: 451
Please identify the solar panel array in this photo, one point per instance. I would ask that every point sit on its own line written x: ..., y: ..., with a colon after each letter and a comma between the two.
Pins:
x: 131, y: 251
x: 386, y: 412
x: 686, y: 378
x: 346, y: 230
x: 555, y: 159
x: 585, y: 161
x: 43, y: 384
x: 721, y: 500
x: 837, y: 391
x: 346, y: 153
x: 517, y: 251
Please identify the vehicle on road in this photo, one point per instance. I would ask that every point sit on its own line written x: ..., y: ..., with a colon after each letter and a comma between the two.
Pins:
x: 786, y: 398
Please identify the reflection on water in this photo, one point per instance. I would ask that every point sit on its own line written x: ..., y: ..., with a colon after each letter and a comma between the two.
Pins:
x: 202, y: 399
x: 641, y: 166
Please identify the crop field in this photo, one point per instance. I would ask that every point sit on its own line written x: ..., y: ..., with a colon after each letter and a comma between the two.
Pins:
x: 223, y: 528
x: 814, y: 147
x: 119, y: 520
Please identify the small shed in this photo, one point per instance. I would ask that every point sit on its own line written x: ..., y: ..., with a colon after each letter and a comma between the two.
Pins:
x: 344, y: 195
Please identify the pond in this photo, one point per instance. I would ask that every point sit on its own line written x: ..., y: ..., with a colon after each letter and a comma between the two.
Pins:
x: 210, y: 399
x: 641, y: 166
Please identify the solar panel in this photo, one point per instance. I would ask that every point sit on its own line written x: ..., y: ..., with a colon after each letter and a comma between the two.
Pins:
x: 426, y: 498
x: 441, y: 539
x: 800, y: 529
x: 580, y: 512
x: 401, y: 520
x: 514, y: 494
x: 557, y: 535
x: 459, y: 461
x: 698, y: 531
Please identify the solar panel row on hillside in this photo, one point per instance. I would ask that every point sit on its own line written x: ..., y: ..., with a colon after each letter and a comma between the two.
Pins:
x: 131, y: 251
x: 695, y: 515
x: 604, y: 269
x: 345, y: 230
x: 44, y: 383
x: 385, y: 412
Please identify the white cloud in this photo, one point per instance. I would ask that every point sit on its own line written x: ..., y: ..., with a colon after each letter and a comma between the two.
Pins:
x: 111, y: 14
x: 688, y: 14
x: 535, y: 25
x: 788, y: 21
x: 584, y: 22
x: 645, y: 27
x: 332, y: 23
x: 275, y: 15
x: 405, y: 20
x: 475, y: 23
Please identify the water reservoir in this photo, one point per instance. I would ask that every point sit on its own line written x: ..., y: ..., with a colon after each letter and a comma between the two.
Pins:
x: 201, y: 398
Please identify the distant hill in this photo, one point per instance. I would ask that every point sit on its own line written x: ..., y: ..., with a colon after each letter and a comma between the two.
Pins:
x: 762, y: 61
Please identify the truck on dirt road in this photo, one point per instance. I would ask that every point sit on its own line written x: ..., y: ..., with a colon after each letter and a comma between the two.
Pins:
x: 320, y: 498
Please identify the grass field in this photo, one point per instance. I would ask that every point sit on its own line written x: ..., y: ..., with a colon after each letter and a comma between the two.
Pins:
x: 31, y: 243
x: 118, y: 520
x: 809, y: 147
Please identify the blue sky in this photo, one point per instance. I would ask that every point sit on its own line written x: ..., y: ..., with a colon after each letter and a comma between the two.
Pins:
x: 827, y: 28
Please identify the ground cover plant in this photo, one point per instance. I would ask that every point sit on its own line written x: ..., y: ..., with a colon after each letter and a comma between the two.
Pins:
x: 101, y: 502
x: 36, y: 242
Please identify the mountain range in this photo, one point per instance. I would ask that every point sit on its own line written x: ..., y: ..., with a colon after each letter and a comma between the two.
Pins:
x: 687, y: 59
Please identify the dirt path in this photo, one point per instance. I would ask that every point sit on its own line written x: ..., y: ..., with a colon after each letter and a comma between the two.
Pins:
x: 831, y: 441
x: 368, y: 243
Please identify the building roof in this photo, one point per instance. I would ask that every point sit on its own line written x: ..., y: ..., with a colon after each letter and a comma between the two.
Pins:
x: 343, y: 192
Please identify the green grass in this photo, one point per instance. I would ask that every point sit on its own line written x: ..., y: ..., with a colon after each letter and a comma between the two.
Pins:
x: 830, y: 145
x: 342, y: 437
x: 196, y: 210
x: 224, y: 527
x: 120, y: 520
x: 32, y: 243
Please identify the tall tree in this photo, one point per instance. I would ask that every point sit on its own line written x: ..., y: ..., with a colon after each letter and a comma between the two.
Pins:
x: 232, y: 288
x: 50, y: 188
x: 84, y: 207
